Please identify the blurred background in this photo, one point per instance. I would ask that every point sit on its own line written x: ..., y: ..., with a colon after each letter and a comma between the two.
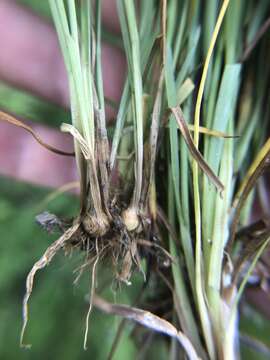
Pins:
x: 57, y: 307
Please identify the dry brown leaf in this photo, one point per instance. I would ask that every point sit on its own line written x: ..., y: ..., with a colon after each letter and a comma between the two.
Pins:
x: 252, y: 237
x: 193, y: 150
x: 262, y: 31
x: 256, y: 170
x: 12, y: 120
x: 148, y: 320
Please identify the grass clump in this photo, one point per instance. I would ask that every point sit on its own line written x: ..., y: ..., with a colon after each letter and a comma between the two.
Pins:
x: 178, y: 210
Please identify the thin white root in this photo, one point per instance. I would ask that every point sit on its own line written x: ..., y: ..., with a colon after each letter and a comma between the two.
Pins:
x: 40, y: 264
x: 92, y: 292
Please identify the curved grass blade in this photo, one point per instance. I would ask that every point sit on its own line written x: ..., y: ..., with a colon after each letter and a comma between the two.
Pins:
x: 12, y: 120
x: 149, y: 320
x: 261, y: 162
x: 179, y: 116
x: 240, y: 292
x: 211, y: 132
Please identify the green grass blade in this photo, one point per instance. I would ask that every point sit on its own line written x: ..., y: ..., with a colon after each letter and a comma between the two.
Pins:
x: 186, y: 319
x: 223, y: 113
x: 135, y: 70
x: 174, y: 149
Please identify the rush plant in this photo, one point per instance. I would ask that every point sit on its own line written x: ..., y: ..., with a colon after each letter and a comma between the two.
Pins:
x: 168, y: 193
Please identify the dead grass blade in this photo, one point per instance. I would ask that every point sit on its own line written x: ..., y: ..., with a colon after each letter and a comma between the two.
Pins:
x: 257, y: 168
x: 40, y: 264
x: 262, y: 30
x: 77, y: 136
x: 202, y: 129
x: 256, y: 237
x: 100, y: 225
x: 150, y: 244
x: 260, y: 159
x: 154, y: 132
x: 210, y: 132
x: 149, y: 320
x: 121, y: 328
x: 177, y: 112
x: 102, y: 150
x: 12, y: 120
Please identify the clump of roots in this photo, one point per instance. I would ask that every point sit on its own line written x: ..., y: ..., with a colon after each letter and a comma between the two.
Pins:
x: 123, y: 239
